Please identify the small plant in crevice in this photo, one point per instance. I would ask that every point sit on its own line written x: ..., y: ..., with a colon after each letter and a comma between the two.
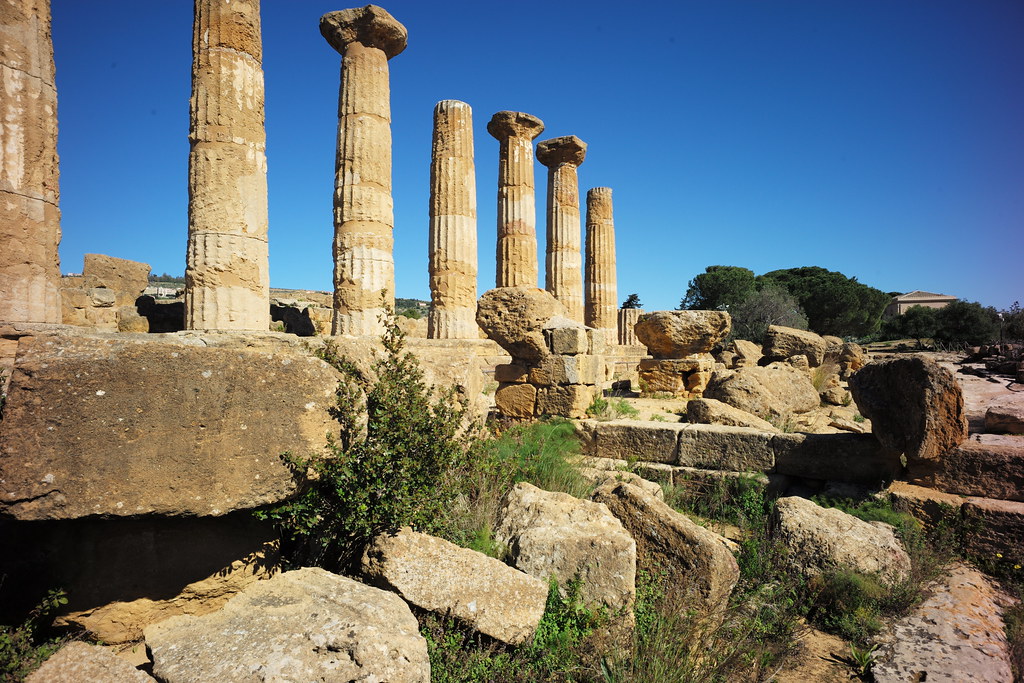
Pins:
x: 24, y: 646
x: 611, y: 409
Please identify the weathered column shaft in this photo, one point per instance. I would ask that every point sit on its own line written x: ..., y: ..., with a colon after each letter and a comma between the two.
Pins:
x: 517, y: 211
x: 452, y: 224
x: 564, y: 261
x: 627, y: 323
x: 29, y: 173
x: 364, y: 268
x: 601, y: 294
x: 227, y: 269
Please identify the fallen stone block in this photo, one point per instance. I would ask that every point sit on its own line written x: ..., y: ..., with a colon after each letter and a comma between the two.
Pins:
x: 303, y: 625
x: 856, y: 458
x: 78, y: 662
x: 986, y: 470
x: 710, y: 411
x: 994, y: 529
x: 738, y: 449
x: 781, y: 343
x: 480, y: 591
x: 1005, y: 419
x: 631, y: 440
x: 928, y: 506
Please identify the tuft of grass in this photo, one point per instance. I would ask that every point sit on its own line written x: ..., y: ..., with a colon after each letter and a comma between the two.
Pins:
x: 604, y: 409
x: 821, y: 374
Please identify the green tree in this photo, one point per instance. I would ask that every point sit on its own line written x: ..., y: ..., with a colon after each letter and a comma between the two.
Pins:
x: 719, y: 288
x: 834, y: 303
x: 967, y: 322
x: 769, y: 305
x: 632, y: 301
x: 919, y: 322
x: 1013, y: 323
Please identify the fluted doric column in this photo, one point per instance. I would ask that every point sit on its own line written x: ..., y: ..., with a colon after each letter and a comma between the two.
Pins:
x: 602, y: 297
x: 364, y: 267
x: 29, y: 174
x: 627, y: 321
x: 564, y: 263
x: 452, y: 224
x: 517, y: 211
x: 227, y: 268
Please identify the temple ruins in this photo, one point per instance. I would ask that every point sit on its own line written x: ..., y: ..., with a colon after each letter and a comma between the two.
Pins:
x: 29, y: 194
x: 563, y: 264
x: 452, y: 224
x: 517, y: 212
x: 364, y: 268
x: 227, y: 271
x: 601, y: 293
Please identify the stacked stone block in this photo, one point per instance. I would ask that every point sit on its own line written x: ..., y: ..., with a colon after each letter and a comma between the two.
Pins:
x: 680, y: 343
x: 227, y: 272
x: 29, y: 214
x: 564, y: 382
x: 104, y: 295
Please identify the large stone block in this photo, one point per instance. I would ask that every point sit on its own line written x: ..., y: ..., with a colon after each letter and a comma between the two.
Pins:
x: 778, y: 389
x: 558, y: 369
x: 915, y: 406
x: 988, y: 470
x: 854, y: 458
x: 126, y: 279
x: 677, y: 334
x: 631, y: 440
x: 108, y: 426
x: 78, y: 662
x: 515, y: 317
x: 714, y: 412
x: 516, y: 400
x: 994, y: 529
x: 781, y: 343
x: 304, y: 625
x: 438, y: 576
x: 720, y: 447
x: 683, y: 377
x: 570, y: 400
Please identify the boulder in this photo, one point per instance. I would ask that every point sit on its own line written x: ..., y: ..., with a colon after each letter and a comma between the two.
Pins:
x: 778, y: 389
x: 693, y: 563
x: 677, y: 334
x: 915, y: 406
x: 747, y: 353
x: 782, y: 342
x: 515, y: 317
x: 302, y: 625
x: 819, y: 539
x: 600, y: 476
x: 77, y: 662
x: 482, y: 592
x: 850, y: 358
x: 553, y: 534
x: 713, y: 412
x: 1007, y: 418
x: 956, y: 634
x: 117, y: 426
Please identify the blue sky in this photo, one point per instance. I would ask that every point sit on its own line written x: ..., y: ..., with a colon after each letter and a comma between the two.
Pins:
x: 879, y: 138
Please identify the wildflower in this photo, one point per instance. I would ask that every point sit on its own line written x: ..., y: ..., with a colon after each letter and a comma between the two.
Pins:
x: 999, y: 555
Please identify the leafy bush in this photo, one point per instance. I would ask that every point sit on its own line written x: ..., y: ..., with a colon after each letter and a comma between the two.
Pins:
x: 770, y: 304
x: 398, y: 468
x: 23, y: 647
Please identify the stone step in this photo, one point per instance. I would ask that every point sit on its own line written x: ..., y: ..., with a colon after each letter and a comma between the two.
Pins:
x: 989, y: 468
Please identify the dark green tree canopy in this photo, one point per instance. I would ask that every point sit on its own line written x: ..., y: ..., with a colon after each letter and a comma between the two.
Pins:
x: 920, y: 323
x: 632, y: 301
x: 834, y: 303
x: 719, y: 288
x: 967, y: 322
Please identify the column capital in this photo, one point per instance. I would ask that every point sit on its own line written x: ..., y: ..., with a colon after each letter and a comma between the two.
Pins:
x: 370, y: 26
x: 514, y: 124
x: 567, y: 149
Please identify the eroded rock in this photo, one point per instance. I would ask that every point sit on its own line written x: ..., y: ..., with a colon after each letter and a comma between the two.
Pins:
x: 78, y: 662
x: 515, y: 318
x: 677, y: 334
x: 782, y: 342
x: 778, y: 389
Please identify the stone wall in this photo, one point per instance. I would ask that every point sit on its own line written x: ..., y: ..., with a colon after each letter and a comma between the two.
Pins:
x: 104, y: 295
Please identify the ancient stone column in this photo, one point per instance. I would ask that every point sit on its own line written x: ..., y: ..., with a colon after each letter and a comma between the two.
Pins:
x: 517, y: 213
x: 627, y: 321
x: 29, y: 214
x: 452, y: 225
x: 564, y: 262
x: 364, y: 268
x: 227, y: 269
x: 601, y: 295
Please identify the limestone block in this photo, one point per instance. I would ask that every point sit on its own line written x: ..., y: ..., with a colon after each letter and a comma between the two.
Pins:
x: 129, y: 320
x: 845, y: 457
x: 778, y: 389
x: 127, y: 279
x: 915, y: 406
x: 928, y: 506
x: 78, y: 661
x: 712, y: 411
x: 826, y: 538
x: 976, y: 469
x: 1006, y: 418
x: 482, y: 592
x: 570, y: 400
x: 597, y: 342
x: 696, y: 567
x: 678, y: 334
x: 108, y: 425
x: 100, y: 297
x: 683, y: 377
x: 782, y: 342
x: 568, y: 340
x: 631, y: 440
x: 583, y: 369
x: 515, y: 317
x: 600, y: 477
x: 511, y: 372
x: 556, y: 535
x: 304, y: 625
x: 740, y: 449
x: 995, y: 529
x: 747, y: 353
x: 516, y: 400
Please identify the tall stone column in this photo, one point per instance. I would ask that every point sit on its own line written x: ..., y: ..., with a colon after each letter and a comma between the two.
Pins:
x: 452, y: 224
x: 602, y: 297
x: 227, y: 268
x: 364, y: 267
x: 29, y: 195
x: 517, y: 211
x: 627, y: 321
x: 564, y: 262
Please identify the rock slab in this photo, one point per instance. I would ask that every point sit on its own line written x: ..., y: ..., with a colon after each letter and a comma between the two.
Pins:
x: 778, y: 389
x: 77, y: 662
x: 441, y: 577
x: 677, y: 334
x: 304, y: 625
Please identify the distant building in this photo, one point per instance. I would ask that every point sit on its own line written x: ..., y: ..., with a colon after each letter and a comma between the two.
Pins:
x: 900, y: 304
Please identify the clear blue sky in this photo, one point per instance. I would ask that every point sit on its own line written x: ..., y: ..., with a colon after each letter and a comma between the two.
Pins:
x: 880, y: 138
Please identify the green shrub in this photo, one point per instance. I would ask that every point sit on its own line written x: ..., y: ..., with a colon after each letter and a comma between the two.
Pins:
x: 395, y: 462
x: 23, y: 647
x: 614, y: 409
x: 848, y: 604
